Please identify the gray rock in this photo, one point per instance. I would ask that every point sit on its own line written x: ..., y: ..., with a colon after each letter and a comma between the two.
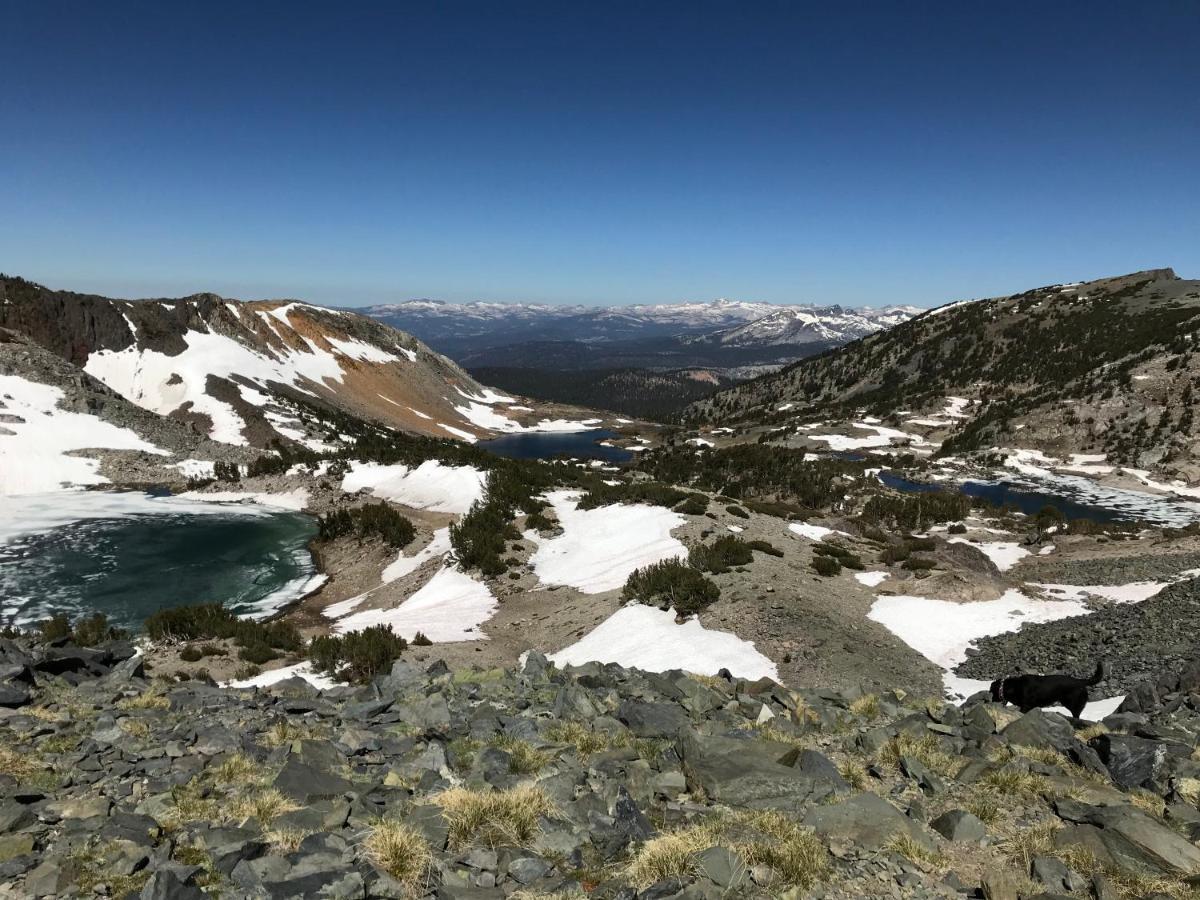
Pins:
x: 165, y: 885
x: 1128, y: 838
x: 1132, y: 761
x: 723, y: 867
x: 653, y: 720
x: 747, y: 774
x: 864, y: 821
x: 1038, y: 728
x: 306, y: 784
x: 1055, y: 876
x: 959, y: 825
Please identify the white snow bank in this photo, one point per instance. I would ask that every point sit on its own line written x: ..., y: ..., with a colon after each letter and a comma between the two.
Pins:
x: 870, y: 579
x: 294, y: 500
x: 599, y: 548
x: 193, y: 468
x: 299, y: 670
x: 484, y: 416
x: 432, y: 485
x: 882, y: 437
x: 439, y: 545
x: 450, y: 607
x: 941, y: 631
x: 1004, y: 554
x: 646, y: 638
x: 1135, y: 592
x: 33, y: 457
x: 813, y: 532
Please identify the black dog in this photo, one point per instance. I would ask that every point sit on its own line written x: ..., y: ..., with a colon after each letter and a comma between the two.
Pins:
x: 1031, y: 691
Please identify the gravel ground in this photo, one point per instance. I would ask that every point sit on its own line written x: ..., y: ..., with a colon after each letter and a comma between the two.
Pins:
x: 1117, y: 569
x: 1136, y: 641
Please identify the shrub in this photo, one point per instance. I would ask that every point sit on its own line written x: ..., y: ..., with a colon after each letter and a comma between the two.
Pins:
x: 359, y: 655
x: 190, y: 654
x: 845, y: 557
x: 957, y: 528
x: 419, y: 640
x: 721, y: 555
x: 373, y: 520
x: 894, y: 554
x: 244, y: 673
x: 826, y: 565
x: 694, y: 505
x: 734, y: 510
x: 765, y: 547
x: 918, y: 563
x: 257, y: 654
x: 85, y: 633
x: 226, y: 471
x: 212, y: 621
x: 671, y: 583
x: 55, y: 628
x: 919, y: 544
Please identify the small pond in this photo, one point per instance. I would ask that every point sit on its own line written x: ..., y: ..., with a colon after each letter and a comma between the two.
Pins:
x: 547, y: 445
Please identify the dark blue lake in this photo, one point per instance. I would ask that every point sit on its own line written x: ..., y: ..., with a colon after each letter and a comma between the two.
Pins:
x: 127, y: 555
x: 547, y: 445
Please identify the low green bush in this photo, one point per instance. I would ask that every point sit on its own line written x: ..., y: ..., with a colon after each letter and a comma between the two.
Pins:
x: 359, y: 655
x: 191, y: 654
x: 765, y: 547
x: 373, y: 520
x: 671, y: 583
x: 734, y: 510
x: 918, y: 563
x: 694, y: 505
x: 957, y: 528
x: 212, y: 621
x: 86, y: 632
x: 721, y: 555
x: 826, y: 565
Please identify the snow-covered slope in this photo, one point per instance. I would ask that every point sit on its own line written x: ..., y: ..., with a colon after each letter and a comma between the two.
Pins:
x: 242, y: 372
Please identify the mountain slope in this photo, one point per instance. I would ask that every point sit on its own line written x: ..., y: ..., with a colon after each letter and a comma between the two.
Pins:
x: 241, y: 372
x: 1119, y: 352
x: 800, y: 325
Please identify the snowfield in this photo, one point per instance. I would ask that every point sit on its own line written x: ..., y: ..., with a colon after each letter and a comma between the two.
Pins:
x: 882, y: 437
x: 941, y: 631
x: 450, y: 607
x: 299, y: 670
x: 432, y: 485
x: 1003, y: 554
x: 162, y: 383
x: 599, y: 548
x: 33, y: 457
x: 813, y: 532
x: 438, y: 546
x: 644, y: 637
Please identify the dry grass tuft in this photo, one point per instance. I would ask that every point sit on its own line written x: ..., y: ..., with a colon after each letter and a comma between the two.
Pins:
x: 1148, y: 802
x: 867, y: 706
x: 401, y: 851
x: 152, y: 698
x: 523, y: 758
x: 913, y: 850
x: 855, y: 774
x: 238, y: 769
x: 926, y: 749
x: 493, y: 818
x: 1095, y: 730
x: 585, y: 741
x: 286, y: 840
x: 1015, y: 783
x: 265, y: 805
x: 1023, y: 844
x: 768, y: 837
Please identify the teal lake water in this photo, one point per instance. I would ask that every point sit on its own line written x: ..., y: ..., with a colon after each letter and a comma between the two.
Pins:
x: 130, y: 554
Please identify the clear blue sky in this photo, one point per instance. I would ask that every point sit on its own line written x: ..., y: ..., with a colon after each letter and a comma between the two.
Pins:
x: 597, y: 152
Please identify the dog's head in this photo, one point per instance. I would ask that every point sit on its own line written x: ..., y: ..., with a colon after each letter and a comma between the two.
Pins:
x: 997, y: 690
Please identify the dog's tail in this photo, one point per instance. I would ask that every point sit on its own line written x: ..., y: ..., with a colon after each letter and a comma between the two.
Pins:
x: 1098, y: 676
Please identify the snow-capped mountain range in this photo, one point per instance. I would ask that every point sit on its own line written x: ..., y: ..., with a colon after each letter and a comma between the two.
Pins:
x: 686, y: 333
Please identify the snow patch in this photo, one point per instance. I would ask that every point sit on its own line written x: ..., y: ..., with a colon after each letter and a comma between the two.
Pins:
x: 643, y: 637
x: 599, y: 548
x: 432, y: 485
x: 450, y: 607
